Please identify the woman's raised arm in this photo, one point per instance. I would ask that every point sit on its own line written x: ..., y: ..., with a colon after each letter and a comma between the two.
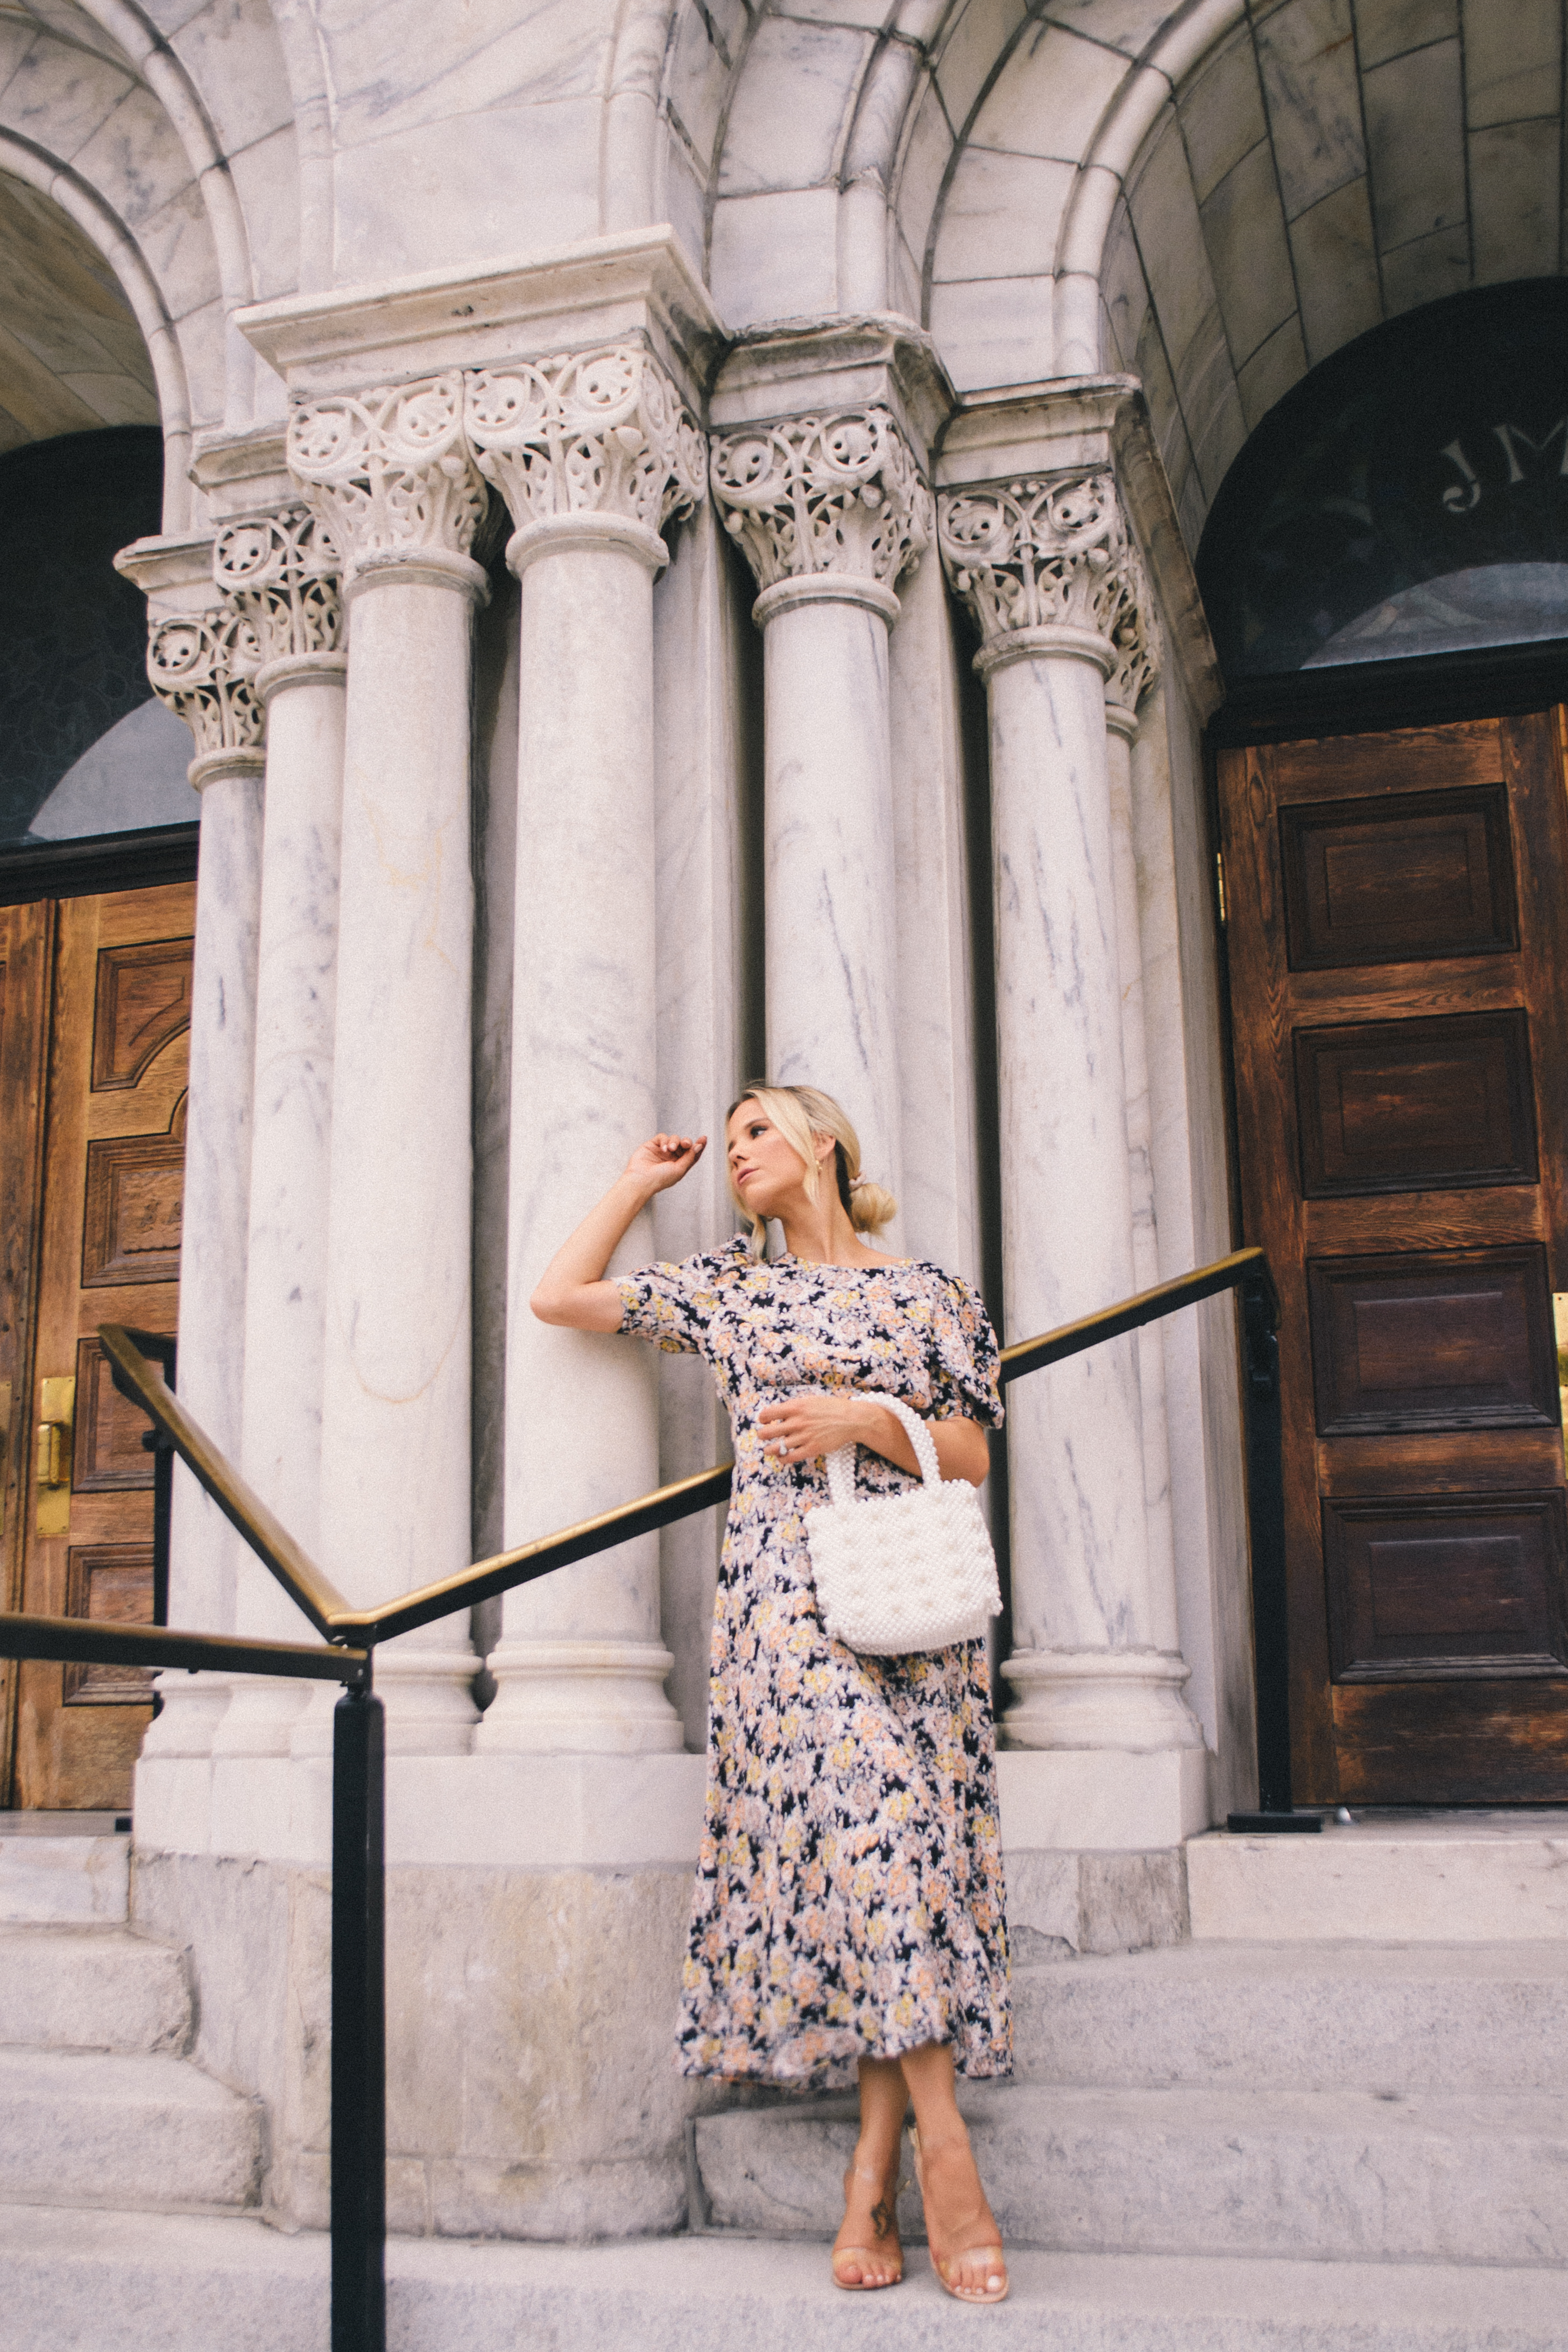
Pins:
x: 573, y: 1290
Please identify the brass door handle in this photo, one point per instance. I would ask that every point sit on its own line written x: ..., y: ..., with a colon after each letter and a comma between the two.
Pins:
x: 52, y: 1468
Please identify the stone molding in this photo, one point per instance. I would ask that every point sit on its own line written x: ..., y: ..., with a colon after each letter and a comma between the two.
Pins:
x: 388, y: 472
x: 280, y: 570
x: 840, y: 492
x: 202, y: 667
x: 1048, y: 552
x: 601, y: 432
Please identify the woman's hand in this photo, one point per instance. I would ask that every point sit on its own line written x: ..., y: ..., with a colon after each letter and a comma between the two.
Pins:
x: 664, y: 1160
x: 800, y: 1428
x: 572, y: 1291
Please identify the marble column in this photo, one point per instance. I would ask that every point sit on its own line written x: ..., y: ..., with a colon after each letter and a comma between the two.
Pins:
x: 1042, y: 564
x: 201, y: 667
x: 279, y: 571
x: 830, y: 510
x: 594, y: 455
x: 389, y: 477
x: 1134, y: 636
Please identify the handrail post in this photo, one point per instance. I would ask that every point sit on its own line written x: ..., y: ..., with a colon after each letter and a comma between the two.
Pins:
x: 1261, y: 1405
x: 359, y: 2022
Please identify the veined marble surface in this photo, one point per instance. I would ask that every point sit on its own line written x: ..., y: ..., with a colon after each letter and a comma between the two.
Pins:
x: 202, y: 1549
x: 831, y: 925
x: 1080, y: 1570
x: 285, y: 1298
x: 395, y: 1470
x: 580, y: 1665
x: 705, y: 794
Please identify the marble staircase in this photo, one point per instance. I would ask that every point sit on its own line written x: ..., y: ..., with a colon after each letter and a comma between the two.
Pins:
x: 99, y: 2103
x: 1351, y: 2134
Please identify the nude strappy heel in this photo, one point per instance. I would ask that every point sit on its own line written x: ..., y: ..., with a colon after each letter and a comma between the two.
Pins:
x: 996, y: 2269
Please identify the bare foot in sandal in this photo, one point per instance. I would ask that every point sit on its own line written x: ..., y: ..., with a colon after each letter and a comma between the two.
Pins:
x: 961, y: 2228
x: 866, y: 2252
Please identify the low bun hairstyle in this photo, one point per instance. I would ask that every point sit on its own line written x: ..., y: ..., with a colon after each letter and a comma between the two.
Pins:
x: 799, y: 1113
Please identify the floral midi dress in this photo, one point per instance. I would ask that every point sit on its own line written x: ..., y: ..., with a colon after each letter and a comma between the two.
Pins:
x: 849, y: 1898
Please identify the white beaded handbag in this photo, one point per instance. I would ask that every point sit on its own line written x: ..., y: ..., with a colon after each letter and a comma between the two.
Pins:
x: 896, y: 1573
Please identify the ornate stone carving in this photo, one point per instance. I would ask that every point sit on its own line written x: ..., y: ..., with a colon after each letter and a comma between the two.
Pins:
x: 836, y: 493
x: 1135, y: 634
x: 280, y: 571
x: 389, y: 471
x: 599, y: 432
x: 201, y: 667
x: 1042, y: 554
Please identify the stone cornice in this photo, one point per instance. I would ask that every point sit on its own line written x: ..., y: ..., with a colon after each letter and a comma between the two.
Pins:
x: 605, y: 290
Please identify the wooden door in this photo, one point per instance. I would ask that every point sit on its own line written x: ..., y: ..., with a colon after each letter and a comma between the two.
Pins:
x: 93, y: 1229
x: 1397, y: 910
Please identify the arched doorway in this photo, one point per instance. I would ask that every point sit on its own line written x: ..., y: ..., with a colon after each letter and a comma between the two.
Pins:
x: 97, y: 863
x: 1385, y: 569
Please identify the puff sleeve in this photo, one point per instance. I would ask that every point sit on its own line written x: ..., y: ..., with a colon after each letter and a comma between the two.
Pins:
x: 671, y: 1305
x: 965, y: 1357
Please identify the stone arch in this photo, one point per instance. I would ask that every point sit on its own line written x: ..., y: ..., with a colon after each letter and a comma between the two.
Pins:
x: 1257, y: 189
x: 103, y: 115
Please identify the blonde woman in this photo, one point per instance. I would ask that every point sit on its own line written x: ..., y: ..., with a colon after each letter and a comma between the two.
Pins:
x: 849, y: 1912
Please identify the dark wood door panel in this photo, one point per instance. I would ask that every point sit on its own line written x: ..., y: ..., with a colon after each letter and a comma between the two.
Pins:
x: 1399, y: 759
x: 1416, y: 1105
x: 1442, y: 1339
x: 1452, y: 1743
x: 1436, y: 1587
x: 1411, y: 878
x: 1440, y: 1462
x: 1367, y: 1223
x: 1399, y: 994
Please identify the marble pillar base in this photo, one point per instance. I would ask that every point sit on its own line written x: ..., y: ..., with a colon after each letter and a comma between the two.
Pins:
x: 563, y: 1697
x: 193, y: 1706
x: 1100, y: 1801
x: 428, y: 1695
x: 260, y: 1716
x: 1124, y: 1699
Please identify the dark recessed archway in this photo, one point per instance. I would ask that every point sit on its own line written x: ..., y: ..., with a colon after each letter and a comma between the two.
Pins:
x: 1408, y: 497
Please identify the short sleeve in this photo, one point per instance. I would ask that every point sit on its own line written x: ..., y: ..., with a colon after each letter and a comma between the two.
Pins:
x: 670, y: 1305
x: 965, y: 1359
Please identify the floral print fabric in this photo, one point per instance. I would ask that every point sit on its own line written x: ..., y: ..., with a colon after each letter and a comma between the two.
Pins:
x: 849, y: 1898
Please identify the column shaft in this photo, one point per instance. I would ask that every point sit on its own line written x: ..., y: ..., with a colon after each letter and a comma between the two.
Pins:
x: 396, y: 1476
x: 832, y: 962
x: 284, y: 1307
x: 581, y: 1665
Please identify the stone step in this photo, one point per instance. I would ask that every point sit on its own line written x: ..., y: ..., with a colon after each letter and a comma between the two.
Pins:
x: 1470, y: 1878
x: 1327, y: 2175
x: 144, y: 2132
x: 64, y: 1882
x: 1423, y: 2017
x: 106, y: 2282
x: 91, y: 1988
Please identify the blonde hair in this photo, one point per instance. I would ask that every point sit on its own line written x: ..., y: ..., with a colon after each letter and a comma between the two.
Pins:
x: 801, y: 1113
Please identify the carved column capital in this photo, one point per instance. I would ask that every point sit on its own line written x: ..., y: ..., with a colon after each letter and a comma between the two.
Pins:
x: 837, y: 494
x: 203, y: 666
x: 600, y: 432
x: 280, y: 571
x: 1048, y: 556
x: 1135, y: 635
x: 390, y: 477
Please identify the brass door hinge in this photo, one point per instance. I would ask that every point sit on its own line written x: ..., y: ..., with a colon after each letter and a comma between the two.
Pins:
x: 1219, y: 889
x: 52, y: 1471
x: 1559, y: 1318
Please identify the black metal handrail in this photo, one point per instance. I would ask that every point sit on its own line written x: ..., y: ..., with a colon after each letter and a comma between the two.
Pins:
x: 351, y: 1635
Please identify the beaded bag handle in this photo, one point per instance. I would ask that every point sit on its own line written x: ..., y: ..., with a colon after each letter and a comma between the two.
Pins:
x: 841, y: 1462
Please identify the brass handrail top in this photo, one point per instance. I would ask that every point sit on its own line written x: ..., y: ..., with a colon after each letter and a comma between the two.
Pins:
x: 296, y: 1571
x: 330, y: 1612
x: 81, y: 1641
